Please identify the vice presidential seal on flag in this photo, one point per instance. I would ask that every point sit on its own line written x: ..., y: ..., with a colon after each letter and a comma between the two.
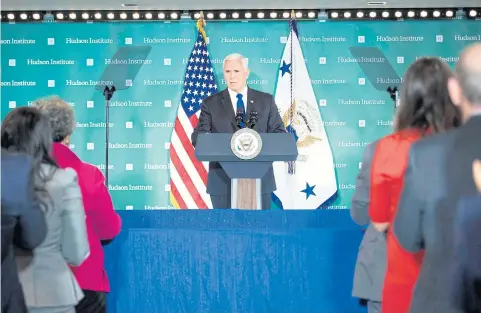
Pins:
x: 311, y: 180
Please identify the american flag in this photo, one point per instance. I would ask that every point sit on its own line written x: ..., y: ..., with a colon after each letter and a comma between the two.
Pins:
x: 188, y: 176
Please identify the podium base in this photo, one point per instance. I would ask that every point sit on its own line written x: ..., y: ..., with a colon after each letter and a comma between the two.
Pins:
x: 246, y: 194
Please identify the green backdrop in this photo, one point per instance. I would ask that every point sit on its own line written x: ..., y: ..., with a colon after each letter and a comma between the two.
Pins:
x: 350, y: 65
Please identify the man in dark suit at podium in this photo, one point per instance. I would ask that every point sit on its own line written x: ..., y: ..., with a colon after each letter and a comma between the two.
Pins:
x: 218, y: 114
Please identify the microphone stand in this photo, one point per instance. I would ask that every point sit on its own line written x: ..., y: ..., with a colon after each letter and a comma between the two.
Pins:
x: 252, y: 120
x: 238, y: 119
x: 108, y: 93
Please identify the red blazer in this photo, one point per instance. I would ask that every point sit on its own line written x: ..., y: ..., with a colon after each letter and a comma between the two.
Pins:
x: 103, y: 222
x: 387, y: 177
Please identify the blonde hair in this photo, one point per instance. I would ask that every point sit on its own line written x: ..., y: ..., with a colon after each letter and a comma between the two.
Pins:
x: 60, y: 115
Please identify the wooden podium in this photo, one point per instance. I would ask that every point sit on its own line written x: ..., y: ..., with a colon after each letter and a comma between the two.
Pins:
x: 246, y: 156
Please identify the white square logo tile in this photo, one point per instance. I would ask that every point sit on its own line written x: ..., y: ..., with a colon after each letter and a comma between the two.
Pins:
x: 129, y: 125
x: 362, y: 123
x: 51, y: 41
x: 361, y: 81
x: 322, y: 102
x: 128, y: 82
x: 71, y: 146
x: 12, y: 62
x: 167, y: 187
x: 400, y: 60
x: 361, y: 39
x: 207, y: 40
x: 51, y: 83
x: 439, y: 38
x: 167, y: 103
x: 129, y: 207
x: 322, y: 60
x: 129, y: 167
x: 128, y: 41
x: 90, y: 146
x: 360, y: 165
x: 90, y: 62
x: 167, y: 145
x: 90, y: 104
x: 12, y: 104
x: 167, y: 61
x: 283, y: 39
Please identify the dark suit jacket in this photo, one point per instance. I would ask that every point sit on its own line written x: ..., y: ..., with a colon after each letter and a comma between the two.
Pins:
x: 23, y: 225
x: 439, y: 174
x: 218, y: 116
x: 371, y: 260
x: 466, y: 289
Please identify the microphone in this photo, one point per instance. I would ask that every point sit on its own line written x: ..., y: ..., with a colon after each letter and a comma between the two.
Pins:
x: 252, y: 119
x: 238, y: 119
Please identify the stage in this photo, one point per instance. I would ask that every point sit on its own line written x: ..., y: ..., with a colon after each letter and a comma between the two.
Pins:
x: 215, y: 261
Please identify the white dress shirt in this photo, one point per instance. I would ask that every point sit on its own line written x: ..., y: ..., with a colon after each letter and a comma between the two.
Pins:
x: 233, y: 98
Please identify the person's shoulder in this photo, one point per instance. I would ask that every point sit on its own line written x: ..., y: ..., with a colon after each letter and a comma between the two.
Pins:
x: 16, y: 159
x: 59, y: 177
x: 394, y: 139
x: 434, y: 143
x: 93, y: 173
x: 261, y: 94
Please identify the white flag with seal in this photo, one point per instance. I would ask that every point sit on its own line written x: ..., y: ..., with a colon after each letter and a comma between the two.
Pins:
x: 311, y: 180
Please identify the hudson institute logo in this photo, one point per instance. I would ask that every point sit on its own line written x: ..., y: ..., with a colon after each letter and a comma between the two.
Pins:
x: 246, y: 143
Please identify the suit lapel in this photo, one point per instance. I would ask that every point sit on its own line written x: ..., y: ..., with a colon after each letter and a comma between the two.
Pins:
x: 228, y: 107
x: 251, y: 102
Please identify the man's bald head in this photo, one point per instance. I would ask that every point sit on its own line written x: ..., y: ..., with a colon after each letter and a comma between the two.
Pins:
x: 468, y: 72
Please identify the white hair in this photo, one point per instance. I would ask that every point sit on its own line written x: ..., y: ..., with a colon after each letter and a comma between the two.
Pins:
x: 237, y: 56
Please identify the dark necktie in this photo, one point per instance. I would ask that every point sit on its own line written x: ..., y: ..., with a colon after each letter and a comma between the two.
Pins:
x: 241, y: 109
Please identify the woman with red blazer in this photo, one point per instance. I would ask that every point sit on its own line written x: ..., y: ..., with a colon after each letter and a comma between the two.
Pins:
x: 425, y: 109
x: 103, y: 223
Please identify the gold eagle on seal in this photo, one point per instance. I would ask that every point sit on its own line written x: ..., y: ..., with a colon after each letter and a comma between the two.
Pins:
x: 301, y: 125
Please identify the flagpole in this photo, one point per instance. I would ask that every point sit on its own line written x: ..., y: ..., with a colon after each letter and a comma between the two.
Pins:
x: 291, y: 164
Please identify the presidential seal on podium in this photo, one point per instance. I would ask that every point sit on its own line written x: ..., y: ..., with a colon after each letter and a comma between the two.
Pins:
x: 246, y: 143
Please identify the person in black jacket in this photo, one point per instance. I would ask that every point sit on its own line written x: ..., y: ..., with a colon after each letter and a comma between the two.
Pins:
x: 23, y: 224
x: 466, y: 287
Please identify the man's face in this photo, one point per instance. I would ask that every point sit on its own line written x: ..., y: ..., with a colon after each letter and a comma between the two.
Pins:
x: 235, y: 75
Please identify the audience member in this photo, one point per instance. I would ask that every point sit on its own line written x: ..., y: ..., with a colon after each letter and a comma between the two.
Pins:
x: 466, y: 287
x: 439, y: 174
x: 23, y: 224
x: 103, y: 223
x: 425, y: 109
x: 371, y: 259
x: 47, y: 282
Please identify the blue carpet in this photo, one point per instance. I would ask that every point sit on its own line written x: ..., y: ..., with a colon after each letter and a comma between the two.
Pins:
x: 233, y: 261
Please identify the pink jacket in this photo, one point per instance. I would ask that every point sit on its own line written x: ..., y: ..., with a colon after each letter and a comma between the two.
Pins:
x: 103, y: 222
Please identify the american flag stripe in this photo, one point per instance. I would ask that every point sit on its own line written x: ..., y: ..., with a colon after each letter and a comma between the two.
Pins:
x: 188, y: 176
x: 175, y: 197
x: 194, y: 181
x: 194, y: 119
x: 184, y: 195
x: 184, y: 141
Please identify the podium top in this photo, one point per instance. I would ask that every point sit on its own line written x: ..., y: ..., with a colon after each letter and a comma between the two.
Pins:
x: 216, y: 147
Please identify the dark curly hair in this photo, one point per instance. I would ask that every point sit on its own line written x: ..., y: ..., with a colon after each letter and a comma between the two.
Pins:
x: 425, y: 101
x: 28, y: 131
